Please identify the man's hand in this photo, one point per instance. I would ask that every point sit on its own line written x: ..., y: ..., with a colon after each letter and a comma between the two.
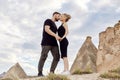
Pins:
x: 57, y: 37
x: 47, y: 29
x: 61, y: 39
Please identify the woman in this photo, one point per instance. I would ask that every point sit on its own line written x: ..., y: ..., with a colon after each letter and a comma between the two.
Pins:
x: 62, y: 32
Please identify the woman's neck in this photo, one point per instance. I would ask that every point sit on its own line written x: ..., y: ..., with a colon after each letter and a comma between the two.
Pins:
x: 63, y: 22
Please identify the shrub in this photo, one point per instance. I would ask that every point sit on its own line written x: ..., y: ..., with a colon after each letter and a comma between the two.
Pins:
x: 117, y: 70
x: 55, y: 77
x: 110, y: 75
x: 6, y: 79
x: 77, y: 71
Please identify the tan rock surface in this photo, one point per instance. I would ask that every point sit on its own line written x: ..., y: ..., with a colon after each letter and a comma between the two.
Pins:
x: 94, y: 76
x: 86, y: 57
x: 15, y: 72
x: 108, y: 56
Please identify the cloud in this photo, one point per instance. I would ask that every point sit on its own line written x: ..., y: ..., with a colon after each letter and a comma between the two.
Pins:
x: 21, y: 25
x: 118, y: 10
x: 82, y: 4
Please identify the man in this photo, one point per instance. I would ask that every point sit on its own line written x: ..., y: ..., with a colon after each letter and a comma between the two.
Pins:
x: 49, y: 43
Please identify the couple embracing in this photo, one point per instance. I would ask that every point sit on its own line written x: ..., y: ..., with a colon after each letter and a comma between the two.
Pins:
x: 49, y: 42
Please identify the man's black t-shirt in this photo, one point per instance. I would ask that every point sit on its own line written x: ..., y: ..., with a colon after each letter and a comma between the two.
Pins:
x: 48, y: 40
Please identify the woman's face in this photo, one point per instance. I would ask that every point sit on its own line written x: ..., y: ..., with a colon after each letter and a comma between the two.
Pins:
x: 62, y: 17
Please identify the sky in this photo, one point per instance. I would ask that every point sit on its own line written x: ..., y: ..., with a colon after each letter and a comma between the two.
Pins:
x: 21, y: 25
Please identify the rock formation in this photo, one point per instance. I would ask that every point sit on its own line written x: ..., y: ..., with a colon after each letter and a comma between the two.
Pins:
x: 108, y: 56
x: 15, y: 72
x: 2, y: 74
x: 86, y: 57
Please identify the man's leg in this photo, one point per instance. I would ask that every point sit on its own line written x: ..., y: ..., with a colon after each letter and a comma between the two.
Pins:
x: 56, y: 57
x: 44, y: 54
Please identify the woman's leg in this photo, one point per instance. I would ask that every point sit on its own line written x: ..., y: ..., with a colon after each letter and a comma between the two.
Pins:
x: 66, y: 63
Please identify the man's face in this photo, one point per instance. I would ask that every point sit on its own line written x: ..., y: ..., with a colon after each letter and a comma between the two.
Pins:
x: 57, y: 17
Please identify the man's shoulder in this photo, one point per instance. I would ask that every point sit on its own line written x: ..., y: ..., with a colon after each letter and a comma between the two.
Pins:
x: 48, y: 20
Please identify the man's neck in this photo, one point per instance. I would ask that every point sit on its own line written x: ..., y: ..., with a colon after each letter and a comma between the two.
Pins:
x: 53, y: 19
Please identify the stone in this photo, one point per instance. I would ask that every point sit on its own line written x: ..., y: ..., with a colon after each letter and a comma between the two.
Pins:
x: 108, y: 55
x: 15, y: 72
x: 2, y: 74
x: 86, y: 57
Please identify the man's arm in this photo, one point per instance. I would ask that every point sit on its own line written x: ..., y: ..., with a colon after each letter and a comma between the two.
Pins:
x: 47, y: 29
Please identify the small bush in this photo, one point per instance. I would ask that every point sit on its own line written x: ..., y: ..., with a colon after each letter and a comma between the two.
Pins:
x: 82, y: 72
x: 55, y: 77
x: 42, y: 79
x: 114, y: 74
x: 110, y: 75
x: 115, y: 70
x: 6, y: 79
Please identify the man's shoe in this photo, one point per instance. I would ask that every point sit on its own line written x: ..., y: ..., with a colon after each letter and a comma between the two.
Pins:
x: 51, y: 72
x: 40, y: 75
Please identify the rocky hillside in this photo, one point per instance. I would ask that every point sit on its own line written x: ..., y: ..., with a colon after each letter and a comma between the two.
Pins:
x: 108, y: 55
x: 15, y: 72
x: 89, y: 58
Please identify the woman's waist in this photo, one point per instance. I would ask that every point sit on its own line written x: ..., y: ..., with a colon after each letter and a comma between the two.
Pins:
x: 64, y: 39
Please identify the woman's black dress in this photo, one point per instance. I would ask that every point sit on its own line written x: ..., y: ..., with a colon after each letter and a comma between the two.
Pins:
x: 64, y: 43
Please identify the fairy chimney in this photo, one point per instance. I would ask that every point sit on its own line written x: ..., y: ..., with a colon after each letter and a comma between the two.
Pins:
x: 15, y: 72
x: 86, y: 57
x: 108, y: 55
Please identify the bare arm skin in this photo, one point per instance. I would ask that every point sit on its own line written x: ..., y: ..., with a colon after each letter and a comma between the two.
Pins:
x: 47, y: 29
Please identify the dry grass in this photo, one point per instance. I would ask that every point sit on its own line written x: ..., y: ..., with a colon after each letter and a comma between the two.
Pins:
x: 55, y: 77
x: 77, y: 71
x: 6, y: 79
x: 115, y: 70
x: 49, y: 77
x: 114, y: 74
x: 110, y: 75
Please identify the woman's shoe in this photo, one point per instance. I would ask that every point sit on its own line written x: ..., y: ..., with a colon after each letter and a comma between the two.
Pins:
x: 65, y: 73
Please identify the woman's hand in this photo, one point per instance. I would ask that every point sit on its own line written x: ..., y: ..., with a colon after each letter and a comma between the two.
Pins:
x: 57, y: 37
x: 61, y: 39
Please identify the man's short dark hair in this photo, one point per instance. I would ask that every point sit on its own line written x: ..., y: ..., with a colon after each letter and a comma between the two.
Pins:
x: 55, y: 13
